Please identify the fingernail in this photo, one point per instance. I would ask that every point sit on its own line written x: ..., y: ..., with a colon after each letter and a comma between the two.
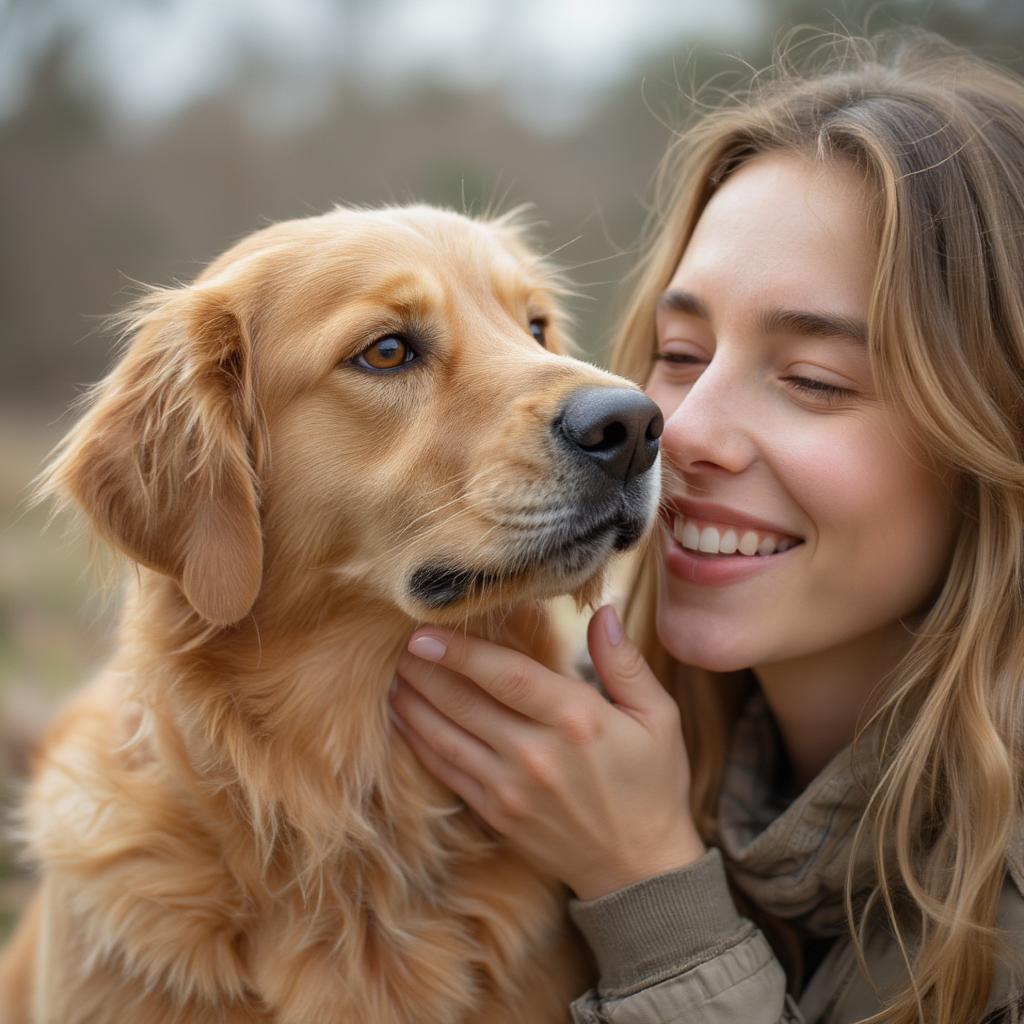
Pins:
x: 429, y: 648
x: 612, y: 627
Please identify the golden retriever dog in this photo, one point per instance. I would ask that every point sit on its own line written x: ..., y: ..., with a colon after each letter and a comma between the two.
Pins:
x: 347, y: 426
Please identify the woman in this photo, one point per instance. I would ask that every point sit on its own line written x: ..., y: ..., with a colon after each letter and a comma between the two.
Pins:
x: 831, y: 318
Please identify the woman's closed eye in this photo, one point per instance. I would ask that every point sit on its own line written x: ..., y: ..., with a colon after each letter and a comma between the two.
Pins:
x: 679, y: 358
x: 819, y: 389
x: 815, y: 389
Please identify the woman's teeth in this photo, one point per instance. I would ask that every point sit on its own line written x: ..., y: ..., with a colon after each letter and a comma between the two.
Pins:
x: 724, y: 540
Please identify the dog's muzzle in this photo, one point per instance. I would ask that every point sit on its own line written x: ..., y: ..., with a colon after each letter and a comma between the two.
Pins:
x: 604, y: 442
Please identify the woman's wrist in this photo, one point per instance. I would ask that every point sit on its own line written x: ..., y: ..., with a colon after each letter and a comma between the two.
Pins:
x: 680, y: 851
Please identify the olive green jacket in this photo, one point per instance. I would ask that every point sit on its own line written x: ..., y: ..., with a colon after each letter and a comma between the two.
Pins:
x: 674, y: 948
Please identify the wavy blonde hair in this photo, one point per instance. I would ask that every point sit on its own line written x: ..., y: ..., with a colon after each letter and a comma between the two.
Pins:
x: 939, y: 136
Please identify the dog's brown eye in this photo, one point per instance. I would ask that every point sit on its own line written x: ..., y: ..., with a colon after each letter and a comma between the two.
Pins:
x: 386, y: 353
x: 537, y: 328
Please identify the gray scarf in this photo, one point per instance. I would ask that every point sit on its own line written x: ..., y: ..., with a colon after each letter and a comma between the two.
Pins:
x: 791, y: 858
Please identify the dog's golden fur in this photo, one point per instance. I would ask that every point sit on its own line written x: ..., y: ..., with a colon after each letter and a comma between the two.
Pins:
x: 227, y: 829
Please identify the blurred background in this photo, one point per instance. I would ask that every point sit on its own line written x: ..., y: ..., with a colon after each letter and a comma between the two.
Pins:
x: 139, y: 138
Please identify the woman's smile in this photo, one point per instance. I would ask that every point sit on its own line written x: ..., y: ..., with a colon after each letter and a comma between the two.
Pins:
x: 714, y: 546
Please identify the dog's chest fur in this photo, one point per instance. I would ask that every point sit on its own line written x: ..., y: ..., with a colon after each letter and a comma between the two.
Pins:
x: 239, y: 850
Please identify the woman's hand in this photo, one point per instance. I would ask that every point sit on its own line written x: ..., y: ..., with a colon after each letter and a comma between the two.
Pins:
x: 594, y: 792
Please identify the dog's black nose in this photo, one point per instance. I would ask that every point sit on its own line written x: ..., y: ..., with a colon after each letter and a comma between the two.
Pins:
x: 615, y: 427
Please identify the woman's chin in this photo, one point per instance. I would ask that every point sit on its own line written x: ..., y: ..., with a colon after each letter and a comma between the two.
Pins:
x: 712, y: 649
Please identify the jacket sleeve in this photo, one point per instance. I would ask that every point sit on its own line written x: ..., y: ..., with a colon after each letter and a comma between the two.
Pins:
x: 674, y: 948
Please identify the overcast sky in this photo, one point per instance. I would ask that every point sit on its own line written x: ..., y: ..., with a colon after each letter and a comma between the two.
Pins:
x: 147, y: 59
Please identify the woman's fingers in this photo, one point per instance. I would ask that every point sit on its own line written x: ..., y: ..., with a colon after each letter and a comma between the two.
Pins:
x: 458, y: 759
x: 627, y: 678
x: 463, y: 786
x: 461, y: 701
x: 509, y: 677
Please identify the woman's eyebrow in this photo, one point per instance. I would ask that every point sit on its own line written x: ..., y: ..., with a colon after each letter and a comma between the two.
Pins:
x: 814, y: 325
x: 804, y: 322
x: 680, y: 301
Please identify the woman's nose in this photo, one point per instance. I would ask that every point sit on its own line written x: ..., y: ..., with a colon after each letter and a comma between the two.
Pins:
x: 713, y: 427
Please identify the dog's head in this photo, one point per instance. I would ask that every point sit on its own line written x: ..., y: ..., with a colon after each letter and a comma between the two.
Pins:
x: 369, y: 397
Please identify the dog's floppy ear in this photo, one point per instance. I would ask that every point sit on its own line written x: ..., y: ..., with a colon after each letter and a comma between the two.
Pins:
x: 164, y: 461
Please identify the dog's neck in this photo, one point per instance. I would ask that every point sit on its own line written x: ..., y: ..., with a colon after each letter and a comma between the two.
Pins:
x: 286, y: 714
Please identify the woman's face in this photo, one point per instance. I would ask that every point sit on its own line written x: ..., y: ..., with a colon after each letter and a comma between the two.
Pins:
x: 775, y: 438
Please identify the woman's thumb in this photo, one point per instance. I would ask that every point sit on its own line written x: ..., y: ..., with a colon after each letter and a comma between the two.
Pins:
x: 620, y: 666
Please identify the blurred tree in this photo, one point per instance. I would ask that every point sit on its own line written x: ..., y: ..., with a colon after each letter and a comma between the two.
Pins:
x: 86, y: 205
